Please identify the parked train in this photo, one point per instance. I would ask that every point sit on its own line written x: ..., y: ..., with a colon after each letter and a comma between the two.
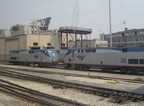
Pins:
x: 61, y: 54
x: 43, y: 58
x: 126, y: 60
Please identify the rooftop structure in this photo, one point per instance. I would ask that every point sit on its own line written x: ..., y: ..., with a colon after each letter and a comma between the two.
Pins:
x: 5, y: 33
x: 76, y: 34
x: 41, y: 25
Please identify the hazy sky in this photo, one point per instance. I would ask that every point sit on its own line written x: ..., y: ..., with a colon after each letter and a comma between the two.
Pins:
x: 88, y: 14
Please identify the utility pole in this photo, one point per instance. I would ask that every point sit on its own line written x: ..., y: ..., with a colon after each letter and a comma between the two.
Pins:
x: 110, y: 23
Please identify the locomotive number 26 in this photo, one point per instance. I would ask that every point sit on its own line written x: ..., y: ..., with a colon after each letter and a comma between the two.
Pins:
x: 123, y: 60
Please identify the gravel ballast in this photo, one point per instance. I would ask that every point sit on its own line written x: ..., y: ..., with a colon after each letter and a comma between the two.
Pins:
x: 71, y: 94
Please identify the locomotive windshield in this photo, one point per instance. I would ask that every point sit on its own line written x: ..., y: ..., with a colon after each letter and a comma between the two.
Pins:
x: 53, y: 54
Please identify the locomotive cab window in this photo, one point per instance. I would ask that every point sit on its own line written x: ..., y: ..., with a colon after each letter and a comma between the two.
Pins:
x: 63, y: 44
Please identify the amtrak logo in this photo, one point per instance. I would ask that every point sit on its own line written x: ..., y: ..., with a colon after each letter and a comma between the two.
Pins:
x: 81, y: 57
x: 36, y: 56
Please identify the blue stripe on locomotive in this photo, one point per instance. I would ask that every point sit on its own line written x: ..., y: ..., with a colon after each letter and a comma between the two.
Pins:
x: 38, y: 50
x: 69, y: 51
x: 129, y: 49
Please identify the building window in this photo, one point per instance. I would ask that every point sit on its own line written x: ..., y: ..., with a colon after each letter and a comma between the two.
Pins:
x: 121, y: 40
x: 34, y: 48
x: 136, y: 38
x: 133, y: 38
x: 127, y: 39
x: 35, y: 43
x: 49, y: 44
x: 50, y: 47
x: 142, y: 38
x: 63, y: 44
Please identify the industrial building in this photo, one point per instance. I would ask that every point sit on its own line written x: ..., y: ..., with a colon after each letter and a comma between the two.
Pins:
x: 88, y: 43
x: 126, y: 38
x: 5, y: 33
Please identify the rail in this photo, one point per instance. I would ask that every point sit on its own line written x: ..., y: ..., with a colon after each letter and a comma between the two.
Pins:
x: 118, y: 96
x: 35, y: 96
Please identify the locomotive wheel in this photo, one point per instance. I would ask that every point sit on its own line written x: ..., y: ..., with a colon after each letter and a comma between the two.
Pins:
x: 77, y: 67
x: 14, y: 63
x: 40, y: 65
x: 86, y: 68
x: 134, y: 70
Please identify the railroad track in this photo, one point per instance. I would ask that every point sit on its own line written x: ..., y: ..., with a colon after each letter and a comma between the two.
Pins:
x: 38, y: 97
x: 118, y: 96
x: 137, y: 80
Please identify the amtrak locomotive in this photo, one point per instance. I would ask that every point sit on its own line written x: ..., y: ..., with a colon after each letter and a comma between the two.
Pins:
x: 44, y: 58
x: 61, y: 53
x: 127, y: 60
